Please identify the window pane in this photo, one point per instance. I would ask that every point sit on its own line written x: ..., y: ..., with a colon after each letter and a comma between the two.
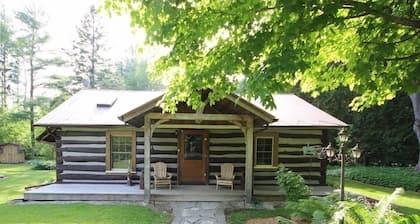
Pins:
x: 193, y: 147
x: 120, y: 152
x: 264, y: 151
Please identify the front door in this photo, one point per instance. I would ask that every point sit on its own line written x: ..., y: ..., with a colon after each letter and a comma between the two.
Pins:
x: 192, y: 157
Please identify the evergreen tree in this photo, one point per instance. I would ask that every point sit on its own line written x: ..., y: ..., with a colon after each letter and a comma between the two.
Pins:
x: 31, y: 43
x: 89, y: 65
x: 8, y: 61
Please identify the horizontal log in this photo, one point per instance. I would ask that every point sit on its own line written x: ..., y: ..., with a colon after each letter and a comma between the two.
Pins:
x: 298, y: 160
x: 84, y: 168
x: 93, y: 177
x: 81, y: 133
x: 226, y: 135
x: 300, y: 136
x: 82, y: 142
x: 227, y: 144
x: 82, y: 149
x: 227, y: 160
x: 84, y: 158
x: 239, y: 152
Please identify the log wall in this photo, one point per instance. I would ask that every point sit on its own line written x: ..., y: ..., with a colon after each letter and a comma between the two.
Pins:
x: 82, y: 155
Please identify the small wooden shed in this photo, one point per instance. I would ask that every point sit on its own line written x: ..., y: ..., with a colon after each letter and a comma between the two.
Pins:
x: 11, y: 153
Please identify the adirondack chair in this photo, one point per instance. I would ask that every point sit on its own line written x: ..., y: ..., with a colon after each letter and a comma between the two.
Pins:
x: 160, y: 176
x: 226, y: 176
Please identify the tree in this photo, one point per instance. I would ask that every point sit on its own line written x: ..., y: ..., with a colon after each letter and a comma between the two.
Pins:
x: 32, y: 42
x: 87, y: 60
x: 135, y: 75
x: 371, y: 47
x: 8, y: 60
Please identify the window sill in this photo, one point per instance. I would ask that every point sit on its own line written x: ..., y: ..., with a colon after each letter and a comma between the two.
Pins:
x: 116, y: 172
x: 265, y: 167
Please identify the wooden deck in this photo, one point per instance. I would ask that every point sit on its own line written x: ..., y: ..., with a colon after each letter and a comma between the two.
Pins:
x: 123, y: 192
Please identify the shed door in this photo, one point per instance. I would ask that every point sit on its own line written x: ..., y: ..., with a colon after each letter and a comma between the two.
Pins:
x: 192, y: 157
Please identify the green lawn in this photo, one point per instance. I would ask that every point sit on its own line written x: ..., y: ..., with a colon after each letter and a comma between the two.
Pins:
x: 19, y: 176
x: 408, y: 202
x: 80, y: 213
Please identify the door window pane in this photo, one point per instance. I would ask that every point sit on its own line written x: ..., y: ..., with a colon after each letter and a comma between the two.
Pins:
x: 193, y: 147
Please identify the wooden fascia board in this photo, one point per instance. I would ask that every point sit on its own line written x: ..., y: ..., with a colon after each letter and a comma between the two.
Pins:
x: 251, y: 108
x: 194, y: 116
x: 140, y: 109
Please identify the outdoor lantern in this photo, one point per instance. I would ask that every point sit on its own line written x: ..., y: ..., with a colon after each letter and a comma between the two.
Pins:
x: 356, y: 152
x: 343, y: 135
x: 330, y: 151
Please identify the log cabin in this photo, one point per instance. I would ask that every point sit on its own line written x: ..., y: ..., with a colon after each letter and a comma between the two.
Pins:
x: 101, y: 134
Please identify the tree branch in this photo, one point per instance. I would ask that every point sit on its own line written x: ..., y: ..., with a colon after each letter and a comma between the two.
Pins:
x: 365, y: 7
x: 395, y: 42
x: 408, y: 57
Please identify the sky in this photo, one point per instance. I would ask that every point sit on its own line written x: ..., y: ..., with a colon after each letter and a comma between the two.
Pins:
x: 62, y: 17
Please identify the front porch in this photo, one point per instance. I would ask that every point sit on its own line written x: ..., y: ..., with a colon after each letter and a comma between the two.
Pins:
x: 123, y: 192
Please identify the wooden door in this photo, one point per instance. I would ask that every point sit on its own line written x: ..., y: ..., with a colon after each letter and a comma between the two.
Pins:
x: 192, y: 157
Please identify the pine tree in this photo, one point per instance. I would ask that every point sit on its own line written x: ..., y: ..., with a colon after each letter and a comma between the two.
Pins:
x: 8, y: 61
x: 91, y: 68
x: 31, y: 43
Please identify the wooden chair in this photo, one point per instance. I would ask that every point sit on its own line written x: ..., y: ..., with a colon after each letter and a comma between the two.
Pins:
x: 160, y: 176
x: 226, y: 177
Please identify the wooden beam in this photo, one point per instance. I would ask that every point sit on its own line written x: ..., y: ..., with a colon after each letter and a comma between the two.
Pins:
x: 146, y: 173
x: 193, y: 116
x: 197, y: 126
x: 249, y: 159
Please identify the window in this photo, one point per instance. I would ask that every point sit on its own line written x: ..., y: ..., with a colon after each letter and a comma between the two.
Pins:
x: 265, y: 150
x: 120, y: 151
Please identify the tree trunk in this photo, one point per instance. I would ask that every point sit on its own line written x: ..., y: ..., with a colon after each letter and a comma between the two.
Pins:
x: 415, y: 100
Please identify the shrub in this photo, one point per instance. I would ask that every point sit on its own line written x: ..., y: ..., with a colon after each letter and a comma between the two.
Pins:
x: 43, y: 165
x: 318, y: 210
x: 392, y: 177
x: 293, y: 184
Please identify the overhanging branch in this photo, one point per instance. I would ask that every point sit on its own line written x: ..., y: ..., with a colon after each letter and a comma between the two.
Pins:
x: 365, y: 7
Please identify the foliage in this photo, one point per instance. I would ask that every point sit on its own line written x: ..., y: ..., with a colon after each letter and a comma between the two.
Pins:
x: 42, y: 164
x: 318, y: 210
x: 91, y: 68
x: 370, y: 47
x: 81, y: 213
x: 20, y: 176
x: 392, y: 177
x: 407, y: 203
x: 293, y: 184
x: 384, y: 133
x: 380, y: 213
x: 240, y: 217
x: 8, y: 60
x: 135, y: 75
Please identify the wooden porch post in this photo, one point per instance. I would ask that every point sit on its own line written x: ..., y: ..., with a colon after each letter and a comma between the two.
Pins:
x: 249, y: 158
x: 147, y: 136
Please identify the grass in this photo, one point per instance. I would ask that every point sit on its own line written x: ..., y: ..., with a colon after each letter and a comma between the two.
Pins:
x: 19, y: 176
x: 240, y: 217
x: 408, y: 202
x: 80, y: 213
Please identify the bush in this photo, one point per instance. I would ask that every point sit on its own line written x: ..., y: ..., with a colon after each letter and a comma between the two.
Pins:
x: 43, y: 165
x: 318, y: 210
x: 293, y: 184
x: 392, y: 177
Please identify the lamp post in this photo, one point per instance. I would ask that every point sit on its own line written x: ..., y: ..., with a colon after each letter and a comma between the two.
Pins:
x: 330, y: 151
